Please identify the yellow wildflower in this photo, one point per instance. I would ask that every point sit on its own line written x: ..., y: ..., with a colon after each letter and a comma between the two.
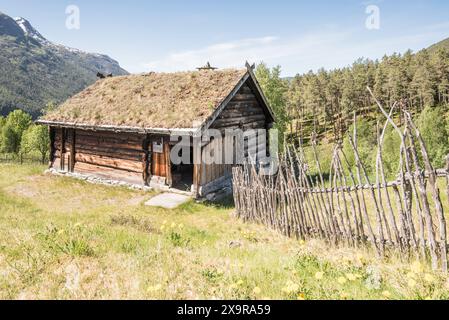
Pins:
x: 351, y: 277
x: 154, y: 288
x: 341, y: 280
x: 301, y: 296
x: 417, y: 267
x: 233, y: 286
x: 162, y: 228
x: 181, y: 226
x: 319, y: 275
x: 345, y: 261
x: 257, y: 290
x: 361, y: 259
x: 429, y: 278
x: 411, y: 283
x: 290, y: 287
x: 240, y: 282
x: 302, y: 242
x: 173, y: 225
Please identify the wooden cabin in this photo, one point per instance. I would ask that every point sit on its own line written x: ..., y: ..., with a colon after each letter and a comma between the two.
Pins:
x: 120, y: 128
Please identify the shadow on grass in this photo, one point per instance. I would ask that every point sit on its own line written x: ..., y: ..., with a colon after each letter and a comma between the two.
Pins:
x: 226, y: 202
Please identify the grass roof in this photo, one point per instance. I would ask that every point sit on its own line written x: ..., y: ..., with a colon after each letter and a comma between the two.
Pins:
x: 153, y: 100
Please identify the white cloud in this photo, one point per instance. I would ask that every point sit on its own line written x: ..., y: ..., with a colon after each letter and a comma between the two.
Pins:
x: 235, y: 53
x: 330, y: 48
x: 228, y: 54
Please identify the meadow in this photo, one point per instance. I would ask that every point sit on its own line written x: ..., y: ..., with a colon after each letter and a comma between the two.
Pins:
x: 62, y: 238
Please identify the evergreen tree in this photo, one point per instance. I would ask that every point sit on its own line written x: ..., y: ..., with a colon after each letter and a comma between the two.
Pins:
x: 440, y: 66
x: 422, y: 79
x: 397, y: 80
x: 380, y: 84
x: 348, y: 96
x: 423, y: 83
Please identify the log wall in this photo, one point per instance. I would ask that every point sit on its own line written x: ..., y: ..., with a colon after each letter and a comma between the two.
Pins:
x: 110, y: 155
x: 122, y: 151
x: 243, y: 112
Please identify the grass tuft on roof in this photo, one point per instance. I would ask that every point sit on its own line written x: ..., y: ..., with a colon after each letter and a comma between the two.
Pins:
x: 152, y: 100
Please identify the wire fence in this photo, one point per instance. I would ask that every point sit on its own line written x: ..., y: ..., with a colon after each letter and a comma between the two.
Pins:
x: 13, y: 158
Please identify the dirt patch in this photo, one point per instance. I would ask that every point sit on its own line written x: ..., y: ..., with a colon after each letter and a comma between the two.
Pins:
x: 141, y: 224
x: 93, y: 279
x: 28, y: 188
x: 25, y: 191
x: 136, y: 201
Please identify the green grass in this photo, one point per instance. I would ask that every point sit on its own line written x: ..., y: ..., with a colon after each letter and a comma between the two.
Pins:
x: 62, y: 238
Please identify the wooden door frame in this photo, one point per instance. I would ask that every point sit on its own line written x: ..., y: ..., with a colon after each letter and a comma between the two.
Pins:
x: 167, y: 150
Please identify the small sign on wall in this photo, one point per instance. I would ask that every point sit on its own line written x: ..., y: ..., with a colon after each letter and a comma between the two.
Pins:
x: 158, y: 147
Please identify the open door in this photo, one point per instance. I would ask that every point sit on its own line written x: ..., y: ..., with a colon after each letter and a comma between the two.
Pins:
x: 183, y: 173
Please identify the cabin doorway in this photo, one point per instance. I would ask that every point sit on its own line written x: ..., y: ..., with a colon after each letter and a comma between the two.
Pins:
x: 182, y: 174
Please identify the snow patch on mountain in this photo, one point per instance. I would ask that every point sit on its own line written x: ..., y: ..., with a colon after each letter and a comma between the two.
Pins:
x: 29, y: 31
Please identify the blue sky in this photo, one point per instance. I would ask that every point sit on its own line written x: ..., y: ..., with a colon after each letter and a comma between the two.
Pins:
x: 181, y: 35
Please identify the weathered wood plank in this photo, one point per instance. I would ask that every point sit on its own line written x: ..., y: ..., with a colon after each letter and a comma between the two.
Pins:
x: 108, y: 173
x: 134, y: 166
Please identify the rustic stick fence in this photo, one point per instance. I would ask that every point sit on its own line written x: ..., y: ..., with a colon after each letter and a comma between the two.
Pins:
x: 406, y: 215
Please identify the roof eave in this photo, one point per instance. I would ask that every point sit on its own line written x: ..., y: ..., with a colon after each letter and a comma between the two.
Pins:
x: 208, y: 122
x: 127, y: 129
x: 260, y: 91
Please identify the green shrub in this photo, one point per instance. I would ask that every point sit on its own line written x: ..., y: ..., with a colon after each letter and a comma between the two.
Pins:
x: 12, y: 130
x: 390, y: 153
x: 433, y: 126
x: 366, y: 145
x: 177, y: 239
x: 75, y: 241
x: 37, y: 139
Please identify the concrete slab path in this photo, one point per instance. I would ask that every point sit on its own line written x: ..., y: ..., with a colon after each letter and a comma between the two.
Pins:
x: 168, y: 200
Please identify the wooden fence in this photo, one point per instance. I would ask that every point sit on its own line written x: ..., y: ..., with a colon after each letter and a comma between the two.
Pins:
x: 406, y: 215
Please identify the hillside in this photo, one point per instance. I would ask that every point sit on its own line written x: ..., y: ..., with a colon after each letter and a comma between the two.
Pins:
x: 325, y: 101
x: 442, y: 44
x: 35, y: 71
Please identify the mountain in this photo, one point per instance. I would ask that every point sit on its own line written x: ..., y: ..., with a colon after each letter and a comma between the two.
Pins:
x: 442, y: 44
x: 35, y: 71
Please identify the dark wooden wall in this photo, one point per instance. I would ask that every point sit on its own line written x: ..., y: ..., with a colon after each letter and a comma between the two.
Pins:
x: 123, y: 151
x: 109, y: 155
x: 244, y: 111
